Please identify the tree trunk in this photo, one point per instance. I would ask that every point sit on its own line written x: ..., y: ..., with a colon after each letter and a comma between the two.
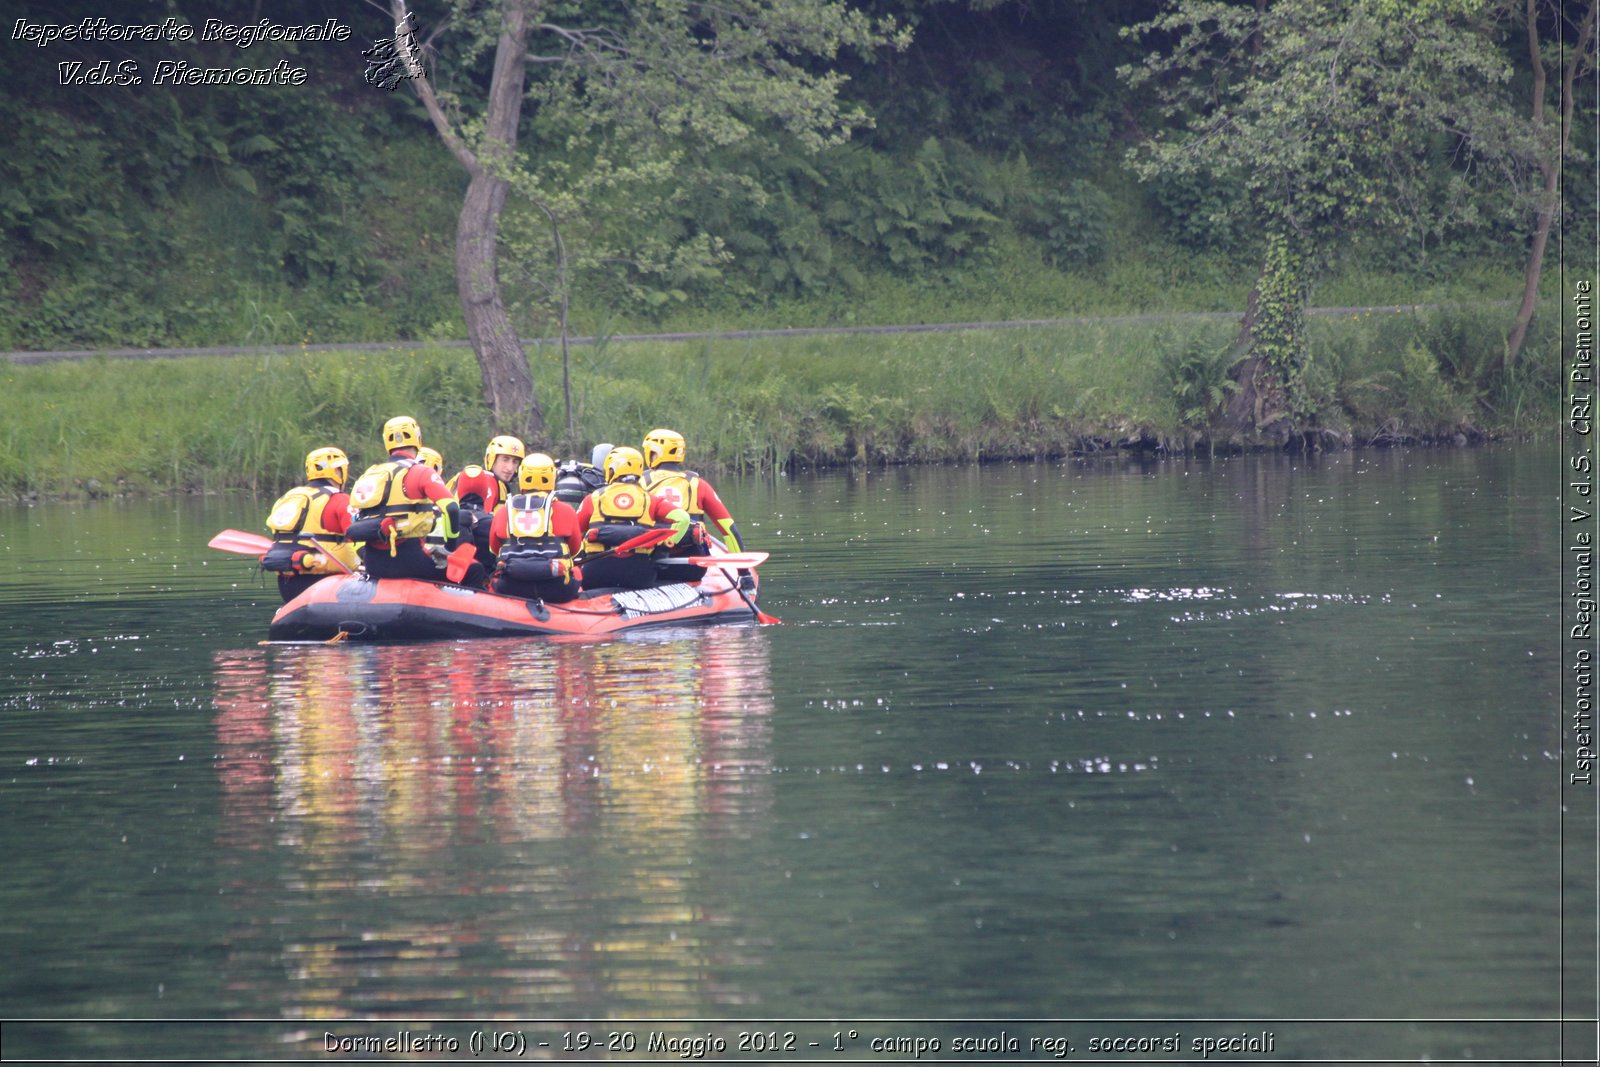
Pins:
x: 507, y: 383
x: 1550, y: 168
x: 1247, y: 397
x: 1257, y: 407
x: 1270, y: 344
x: 1532, y: 272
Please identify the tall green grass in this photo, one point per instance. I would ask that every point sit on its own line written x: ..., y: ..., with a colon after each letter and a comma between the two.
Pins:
x: 207, y: 424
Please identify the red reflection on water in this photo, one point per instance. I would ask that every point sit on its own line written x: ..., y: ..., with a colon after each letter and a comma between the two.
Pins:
x: 571, y: 782
x: 245, y: 752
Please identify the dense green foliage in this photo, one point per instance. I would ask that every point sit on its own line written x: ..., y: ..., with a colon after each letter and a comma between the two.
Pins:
x: 993, y: 184
x: 138, y: 215
x: 1340, y: 120
x: 146, y: 215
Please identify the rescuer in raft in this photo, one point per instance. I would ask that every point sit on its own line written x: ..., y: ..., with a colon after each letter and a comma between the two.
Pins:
x: 434, y: 542
x: 622, y: 510
x: 480, y: 490
x: 308, y: 525
x: 535, y: 536
x: 664, y: 452
x: 397, y: 504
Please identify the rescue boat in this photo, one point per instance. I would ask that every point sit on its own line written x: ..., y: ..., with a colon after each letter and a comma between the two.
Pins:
x: 357, y: 607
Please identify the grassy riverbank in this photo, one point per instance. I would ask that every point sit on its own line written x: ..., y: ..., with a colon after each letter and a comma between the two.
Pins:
x: 107, y: 426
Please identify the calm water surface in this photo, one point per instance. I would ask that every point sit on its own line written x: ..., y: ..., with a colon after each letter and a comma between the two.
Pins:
x: 1192, y: 748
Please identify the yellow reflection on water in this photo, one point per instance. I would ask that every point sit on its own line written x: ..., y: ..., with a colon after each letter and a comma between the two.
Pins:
x: 521, y: 819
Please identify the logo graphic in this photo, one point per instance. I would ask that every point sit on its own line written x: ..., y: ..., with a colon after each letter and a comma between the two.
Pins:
x: 397, y: 59
x: 527, y: 523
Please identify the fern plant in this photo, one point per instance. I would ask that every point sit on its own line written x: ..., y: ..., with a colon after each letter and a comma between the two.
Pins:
x: 1197, y: 380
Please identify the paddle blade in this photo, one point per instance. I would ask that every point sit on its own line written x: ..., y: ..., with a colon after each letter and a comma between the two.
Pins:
x: 741, y: 560
x: 460, y: 560
x: 246, y: 544
x: 648, y: 539
x: 761, y: 617
x: 744, y: 561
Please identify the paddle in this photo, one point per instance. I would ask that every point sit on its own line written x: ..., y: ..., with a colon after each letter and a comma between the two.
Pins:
x: 246, y: 544
x: 648, y: 539
x: 742, y: 560
x: 761, y: 617
x: 249, y: 544
x: 457, y: 562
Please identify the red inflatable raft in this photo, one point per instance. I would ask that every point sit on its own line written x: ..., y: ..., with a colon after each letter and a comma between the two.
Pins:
x: 403, y: 609
x: 357, y: 607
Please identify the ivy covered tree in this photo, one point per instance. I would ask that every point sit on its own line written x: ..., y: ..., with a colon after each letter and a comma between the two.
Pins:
x: 1559, y: 36
x: 657, y: 75
x: 1336, y: 116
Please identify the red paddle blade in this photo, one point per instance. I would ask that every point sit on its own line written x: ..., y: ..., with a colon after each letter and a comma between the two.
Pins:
x: 460, y: 560
x: 648, y: 539
x: 741, y: 560
x: 246, y: 544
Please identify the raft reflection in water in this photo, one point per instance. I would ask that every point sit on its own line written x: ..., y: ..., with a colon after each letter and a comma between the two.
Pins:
x: 524, y: 820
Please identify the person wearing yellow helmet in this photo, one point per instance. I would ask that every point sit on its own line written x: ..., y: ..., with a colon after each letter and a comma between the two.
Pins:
x: 503, y: 458
x: 309, y: 524
x: 535, y: 537
x: 664, y: 452
x: 481, y: 490
x: 434, y: 543
x: 400, y: 432
x: 621, y: 510
x: 397, y: 504
x: 490, y: 482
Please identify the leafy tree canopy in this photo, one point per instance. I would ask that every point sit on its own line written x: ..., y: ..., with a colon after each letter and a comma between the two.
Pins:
x: 1337, y: 117
x: 1335, y: 114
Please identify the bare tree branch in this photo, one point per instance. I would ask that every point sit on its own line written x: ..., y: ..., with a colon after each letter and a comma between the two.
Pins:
x: 424, y: 90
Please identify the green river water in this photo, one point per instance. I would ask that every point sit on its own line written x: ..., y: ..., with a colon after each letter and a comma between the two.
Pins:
x: 1113, y: 760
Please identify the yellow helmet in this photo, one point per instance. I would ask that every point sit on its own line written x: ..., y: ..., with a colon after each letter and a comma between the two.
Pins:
x: 663, y: 446
x: 402, y: 431
x: 503, y: 446
x: 431, y: 458
x: 329, y: 463
x: 623, y: 461
x: 537, y: 474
